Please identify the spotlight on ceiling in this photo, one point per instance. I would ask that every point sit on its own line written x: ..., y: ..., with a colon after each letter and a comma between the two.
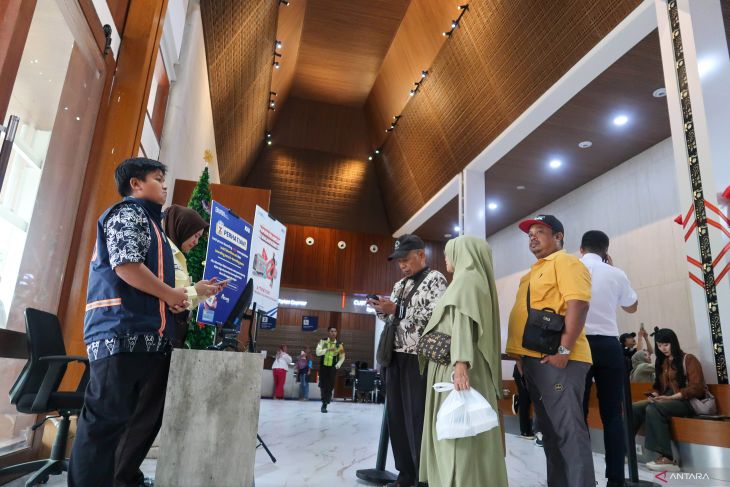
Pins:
x: 520, y: 188
x: 659, y: 93
x: 278, y: 44
x: 284, y: 2
x: 585, y: 144
x: 457, y: 228
x: 620, y: 120
x: 454, y: 24
x: 370, y: 158
x: 492, y: 206
x: 446, y: 34
x: 412, y: 92
x: 463, y: 7
x: 277, y: 65
x: 424, y: 73
x: 556, y: 163
x: 377, y: 151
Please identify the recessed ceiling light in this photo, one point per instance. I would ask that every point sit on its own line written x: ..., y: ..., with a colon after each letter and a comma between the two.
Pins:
x: 78, y: 118
x: 620, y: 120
x: 585, y: 144
x: 492, y: 206
x: 556, y: 163
x: 457, y: 229
x: 659, y: 93
x: 520, y: 187
x: 447, y: 235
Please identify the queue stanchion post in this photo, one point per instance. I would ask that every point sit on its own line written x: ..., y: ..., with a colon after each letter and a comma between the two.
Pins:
x: 379, y: 475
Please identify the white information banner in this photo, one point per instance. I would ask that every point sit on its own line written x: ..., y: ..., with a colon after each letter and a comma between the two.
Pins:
x: 267, y: 255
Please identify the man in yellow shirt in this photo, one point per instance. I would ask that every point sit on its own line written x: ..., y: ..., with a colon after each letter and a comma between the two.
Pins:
x: 561, y: 283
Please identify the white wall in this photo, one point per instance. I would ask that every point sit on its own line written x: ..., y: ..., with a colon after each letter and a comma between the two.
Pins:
x: 188, y: 130
x: 635, y: 204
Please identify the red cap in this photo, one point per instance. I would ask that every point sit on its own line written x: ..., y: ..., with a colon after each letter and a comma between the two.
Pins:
x: 548, y: 220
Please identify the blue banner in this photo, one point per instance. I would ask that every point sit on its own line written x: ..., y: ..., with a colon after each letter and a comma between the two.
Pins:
x: 229, y: 247
x: 267, y: 322
x: 309, y: 323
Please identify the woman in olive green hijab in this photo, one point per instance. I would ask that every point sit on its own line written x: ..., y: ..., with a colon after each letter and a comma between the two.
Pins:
x: 469, y: 313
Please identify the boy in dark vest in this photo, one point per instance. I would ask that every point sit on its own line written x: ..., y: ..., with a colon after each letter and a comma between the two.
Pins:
x: 331, y: 355
x: 130, y: 296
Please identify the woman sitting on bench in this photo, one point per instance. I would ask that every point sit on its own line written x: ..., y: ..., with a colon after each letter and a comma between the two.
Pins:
x: 679, y: 378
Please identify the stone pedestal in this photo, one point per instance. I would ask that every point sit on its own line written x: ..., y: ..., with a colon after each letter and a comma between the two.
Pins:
x: 208, y: 434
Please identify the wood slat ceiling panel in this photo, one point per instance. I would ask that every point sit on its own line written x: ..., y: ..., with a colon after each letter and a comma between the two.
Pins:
x: 414, y: 48
x: 319, y: 188
x: 343, y: 45
x: 239, y: 39
x: 525, y: 48
x: 625, y: 87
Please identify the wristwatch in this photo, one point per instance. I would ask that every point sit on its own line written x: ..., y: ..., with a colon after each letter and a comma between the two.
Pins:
x: 563, y: 351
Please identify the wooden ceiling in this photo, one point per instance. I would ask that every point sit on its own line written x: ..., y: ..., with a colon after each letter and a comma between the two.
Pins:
x: 342, y: 47
x: 498, y: 62
x: 624, y: 88
x: 239, y: 40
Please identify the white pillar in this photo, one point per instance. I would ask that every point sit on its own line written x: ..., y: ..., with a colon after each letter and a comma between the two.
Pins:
x: 697, y: 76
x: 472, y: 204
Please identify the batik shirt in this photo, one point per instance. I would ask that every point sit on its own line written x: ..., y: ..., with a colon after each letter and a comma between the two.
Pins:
x: 419, y: 309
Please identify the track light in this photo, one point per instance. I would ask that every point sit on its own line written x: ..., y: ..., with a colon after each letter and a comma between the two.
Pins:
x: 268, y: 135
x: 455, y: 23
x: 272, y: 93
x: 277, y: 44
x: 412, y: 92
x: 284, y: 3
x: 424, y: 74
x: 277, y: 65
x: 276, y: 54
x: 377, y: 151
x: 370, y: 158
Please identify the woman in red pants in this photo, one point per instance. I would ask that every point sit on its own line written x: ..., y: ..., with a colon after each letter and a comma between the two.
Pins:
x: 280, y: 369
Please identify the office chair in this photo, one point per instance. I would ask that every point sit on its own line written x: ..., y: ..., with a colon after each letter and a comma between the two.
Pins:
x: 36, y: 391
x: 365, y: 384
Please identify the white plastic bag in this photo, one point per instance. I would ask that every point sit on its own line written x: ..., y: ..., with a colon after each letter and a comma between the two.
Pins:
x: 463, y: 413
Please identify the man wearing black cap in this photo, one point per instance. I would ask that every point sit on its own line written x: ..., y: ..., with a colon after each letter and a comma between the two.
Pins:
x: 628, y: 341
x: 409, y: 308
x: 557, y: 284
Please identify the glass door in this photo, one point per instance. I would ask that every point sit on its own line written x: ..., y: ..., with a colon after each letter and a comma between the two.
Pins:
x: 46, y: 140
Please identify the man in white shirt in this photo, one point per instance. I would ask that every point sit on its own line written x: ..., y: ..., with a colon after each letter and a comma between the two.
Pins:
x: 611, y: 289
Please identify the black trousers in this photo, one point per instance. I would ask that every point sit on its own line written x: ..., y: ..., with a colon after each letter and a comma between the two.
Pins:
x: 406, y: 400
x: 142, y: 430
x: 327, y: 377
x: 115, y: 385
x: 608, y: 370
x: 526, y: 428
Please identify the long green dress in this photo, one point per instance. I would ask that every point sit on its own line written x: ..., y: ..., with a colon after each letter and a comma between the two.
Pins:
x: 476, y: 461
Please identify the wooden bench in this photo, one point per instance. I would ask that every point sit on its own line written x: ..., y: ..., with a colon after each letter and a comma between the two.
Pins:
x: 684, y: 430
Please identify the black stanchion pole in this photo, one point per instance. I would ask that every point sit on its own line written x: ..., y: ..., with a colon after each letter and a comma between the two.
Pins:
x: 633, y: 480
x: 379, y: 475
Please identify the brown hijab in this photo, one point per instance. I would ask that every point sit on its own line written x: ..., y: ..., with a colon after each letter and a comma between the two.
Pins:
x: 181, y: 223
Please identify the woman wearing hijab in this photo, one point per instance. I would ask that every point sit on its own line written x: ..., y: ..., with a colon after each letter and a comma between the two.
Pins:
x: 469, y: 313
x: 183, y: 227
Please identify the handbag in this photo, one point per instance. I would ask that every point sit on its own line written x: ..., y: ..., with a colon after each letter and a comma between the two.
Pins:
x: 386, y: 343
x: 543, y: 329
x: 707, y: 406
x: 436, y: 347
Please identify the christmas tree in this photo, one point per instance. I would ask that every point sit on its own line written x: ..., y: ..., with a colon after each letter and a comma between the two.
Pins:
x: 199, y: 335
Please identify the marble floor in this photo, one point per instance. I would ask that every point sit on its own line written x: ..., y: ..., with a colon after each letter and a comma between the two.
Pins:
x: 313, y: 449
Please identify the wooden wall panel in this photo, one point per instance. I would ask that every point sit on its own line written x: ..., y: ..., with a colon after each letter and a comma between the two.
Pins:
x: 119, y: 9
x: 241, y: 200
x: 239, y: 44
x: 119, y: 129
x: 501, y: 59
x: 356, y: 331
x: 414, y: 48
x: 320, y: 188
x: 323, y: 266
x: 16, y: 16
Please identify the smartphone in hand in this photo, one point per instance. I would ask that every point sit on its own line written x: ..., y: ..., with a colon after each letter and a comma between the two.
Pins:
x: 649, y: 394
x: 374, y: 297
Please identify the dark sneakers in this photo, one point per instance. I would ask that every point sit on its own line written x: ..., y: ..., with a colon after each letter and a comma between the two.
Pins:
x: 324, y: 407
